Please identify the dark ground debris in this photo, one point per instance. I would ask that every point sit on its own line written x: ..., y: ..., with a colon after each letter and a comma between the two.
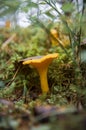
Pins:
x: 13, y: 117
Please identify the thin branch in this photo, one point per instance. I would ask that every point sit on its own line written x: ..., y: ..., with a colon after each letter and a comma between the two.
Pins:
x: 53, y: 7
x: 14, y: 75
x: 8, y: 41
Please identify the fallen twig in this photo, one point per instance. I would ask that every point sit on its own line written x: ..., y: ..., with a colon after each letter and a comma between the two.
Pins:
x: 8, y: 41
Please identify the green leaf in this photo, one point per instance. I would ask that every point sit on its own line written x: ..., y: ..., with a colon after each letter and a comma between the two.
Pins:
x: 49, y: 14
x: 9, y: 7
x: 68, y: 7
x: 25, y: 9
x: 32, y: 5
x: 43, y: 3
x: 2, y: 84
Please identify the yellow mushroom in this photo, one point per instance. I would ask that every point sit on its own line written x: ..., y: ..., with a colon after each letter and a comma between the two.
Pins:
x: 8, y: 24
x: 59, y: 36
x: 41, y: 63
x: 55, y: 35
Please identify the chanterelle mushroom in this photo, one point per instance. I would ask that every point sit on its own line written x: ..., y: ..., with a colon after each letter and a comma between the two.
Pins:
x: 41, y: 63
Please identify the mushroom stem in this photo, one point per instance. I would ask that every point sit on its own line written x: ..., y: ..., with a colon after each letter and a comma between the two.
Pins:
x: 43, y: 79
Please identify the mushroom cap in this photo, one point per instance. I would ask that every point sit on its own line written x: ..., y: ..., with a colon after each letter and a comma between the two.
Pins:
x: 37, y: 60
